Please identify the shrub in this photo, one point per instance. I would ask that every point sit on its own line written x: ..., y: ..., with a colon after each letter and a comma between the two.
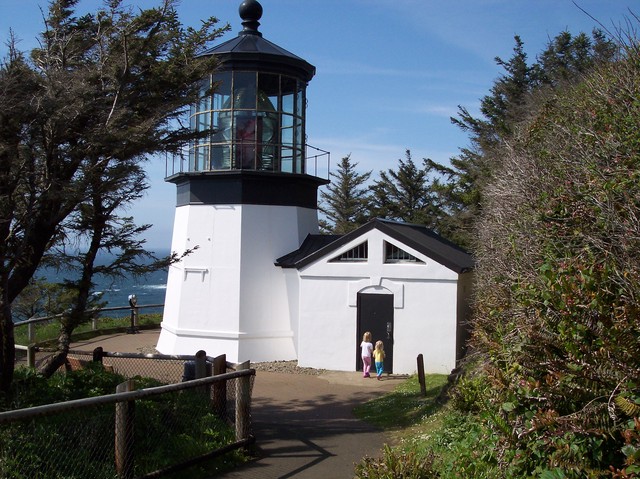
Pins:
x: 557, y: 315
x: 169, y: 428
x: 396, y: 464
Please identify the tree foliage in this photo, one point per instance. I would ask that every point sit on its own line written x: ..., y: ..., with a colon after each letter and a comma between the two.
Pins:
x: 345, y: 203
x: 460, y: 189
x: 403, y: 194
x: 103, y: 92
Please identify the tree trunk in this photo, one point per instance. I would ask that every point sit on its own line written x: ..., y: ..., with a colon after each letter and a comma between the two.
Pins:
x: 57, y: 360
x: 7, y: 343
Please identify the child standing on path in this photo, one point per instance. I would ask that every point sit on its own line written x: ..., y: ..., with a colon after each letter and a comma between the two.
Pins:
x: 378, y: 355
x: 367, y: 349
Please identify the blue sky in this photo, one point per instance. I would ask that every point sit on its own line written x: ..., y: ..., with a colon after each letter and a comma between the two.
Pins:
x: 389, y: 73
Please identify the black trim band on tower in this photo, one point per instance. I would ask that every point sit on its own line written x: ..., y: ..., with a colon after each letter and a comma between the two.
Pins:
x: 246, y: 187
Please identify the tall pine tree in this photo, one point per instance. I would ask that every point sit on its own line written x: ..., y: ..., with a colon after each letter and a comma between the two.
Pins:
x: 101, y: 93
x: 565, y: 59
x: 345, y: 203
x: 404, y: 194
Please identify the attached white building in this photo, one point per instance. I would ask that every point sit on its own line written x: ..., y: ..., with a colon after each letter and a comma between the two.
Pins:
x: 406, y: 285
x: 261, y: 284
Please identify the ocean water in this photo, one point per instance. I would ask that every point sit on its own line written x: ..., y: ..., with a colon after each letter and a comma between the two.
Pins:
x: 149, y: 289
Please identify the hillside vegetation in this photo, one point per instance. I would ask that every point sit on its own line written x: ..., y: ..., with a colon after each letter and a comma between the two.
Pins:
x: 556, y: 328
x: 551, y: 386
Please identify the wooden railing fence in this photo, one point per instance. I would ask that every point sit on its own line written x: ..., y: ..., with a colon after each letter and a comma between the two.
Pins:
x: 215, y: 386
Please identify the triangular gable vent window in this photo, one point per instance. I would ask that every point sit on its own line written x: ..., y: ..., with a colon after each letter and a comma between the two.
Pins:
x: 393, y: 254
x: 357, y: 254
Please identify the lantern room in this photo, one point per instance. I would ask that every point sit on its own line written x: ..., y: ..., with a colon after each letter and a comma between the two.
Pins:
x: 255, y: 115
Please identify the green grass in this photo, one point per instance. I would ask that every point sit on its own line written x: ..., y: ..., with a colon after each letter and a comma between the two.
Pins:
x: 405, y: 406
x: 48, y: 332
x: 429, y: 438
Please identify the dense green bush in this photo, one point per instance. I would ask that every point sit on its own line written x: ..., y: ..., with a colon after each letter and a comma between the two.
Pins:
x: 395, y: 464
x: 437, y: 442
x: 557, y: 310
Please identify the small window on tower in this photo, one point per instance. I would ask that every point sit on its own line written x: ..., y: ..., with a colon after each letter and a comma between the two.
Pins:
x: 358, y: 254
x: 393, y: 254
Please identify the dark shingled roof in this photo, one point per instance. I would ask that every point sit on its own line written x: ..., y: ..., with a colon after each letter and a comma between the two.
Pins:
x: 417, y: 237
x: 311, y: 244
x: 250, y: 51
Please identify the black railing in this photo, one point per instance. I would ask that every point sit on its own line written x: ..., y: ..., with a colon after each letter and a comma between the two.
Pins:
x: 317, y: 164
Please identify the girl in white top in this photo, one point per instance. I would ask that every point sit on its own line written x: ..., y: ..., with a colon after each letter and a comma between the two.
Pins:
x: 367, y: 349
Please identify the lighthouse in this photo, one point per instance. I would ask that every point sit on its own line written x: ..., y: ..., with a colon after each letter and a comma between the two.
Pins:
x: 244, y: 199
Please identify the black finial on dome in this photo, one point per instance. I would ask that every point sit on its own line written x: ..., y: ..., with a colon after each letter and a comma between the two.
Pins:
x: 250, y: 12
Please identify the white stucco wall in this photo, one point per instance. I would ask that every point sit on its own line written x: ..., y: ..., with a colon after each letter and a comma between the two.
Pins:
x: 425, y: 309
x: 227, y: 296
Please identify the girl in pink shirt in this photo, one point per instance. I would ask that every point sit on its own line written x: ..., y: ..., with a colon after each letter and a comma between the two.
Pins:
x: 367, y: 350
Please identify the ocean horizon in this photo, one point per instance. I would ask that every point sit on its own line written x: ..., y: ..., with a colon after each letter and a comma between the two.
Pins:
x: 149, y: 289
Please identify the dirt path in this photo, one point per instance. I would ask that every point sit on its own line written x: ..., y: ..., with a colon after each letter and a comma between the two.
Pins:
x: 305, y: 428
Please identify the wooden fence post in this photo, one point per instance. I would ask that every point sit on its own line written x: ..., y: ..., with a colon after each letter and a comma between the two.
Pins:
x: 98, y: 354
x: 423, y: 386
x: 31, y: 355
x: 219, y: 402
x: 243, y: 403
x: 31, y: 332
x: 124, y: 437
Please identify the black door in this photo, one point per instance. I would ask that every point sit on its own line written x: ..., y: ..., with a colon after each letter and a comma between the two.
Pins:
x: 375, y: 314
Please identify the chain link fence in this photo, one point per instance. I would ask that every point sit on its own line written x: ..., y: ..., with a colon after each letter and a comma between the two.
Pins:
x: 160, y: 420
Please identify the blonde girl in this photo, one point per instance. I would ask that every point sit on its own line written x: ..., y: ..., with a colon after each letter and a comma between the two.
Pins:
x: 367, y: 350
x: 378, y: 356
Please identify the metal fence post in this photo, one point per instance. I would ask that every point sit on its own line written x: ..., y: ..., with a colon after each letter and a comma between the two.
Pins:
x: 243, y: 403
x: 200, y: 370
x: 31, y: 332
x: 98, y: 353
x: 124, y: 433
x: 201, y: 365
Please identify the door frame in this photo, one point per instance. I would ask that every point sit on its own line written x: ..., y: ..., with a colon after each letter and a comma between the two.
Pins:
x: 375, y: 313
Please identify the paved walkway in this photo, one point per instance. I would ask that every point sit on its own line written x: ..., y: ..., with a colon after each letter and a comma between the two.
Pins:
x: 304, y: 425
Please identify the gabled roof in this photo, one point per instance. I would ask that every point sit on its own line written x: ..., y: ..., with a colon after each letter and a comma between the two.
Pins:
x: 310, y: 245
x: 417, y: 237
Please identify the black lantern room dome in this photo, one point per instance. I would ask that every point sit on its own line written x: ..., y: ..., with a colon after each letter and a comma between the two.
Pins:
x: 251, y: 50
x: 255, y: 117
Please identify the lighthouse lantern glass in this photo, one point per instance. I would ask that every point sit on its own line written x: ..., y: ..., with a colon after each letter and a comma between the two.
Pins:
x: 255, y: 121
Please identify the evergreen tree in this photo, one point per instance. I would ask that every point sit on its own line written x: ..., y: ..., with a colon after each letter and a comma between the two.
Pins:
x: 101, y: 93
x: 460, y: 189
x: 346, y: 200
x: 404, y: 194
x: 568, y: 57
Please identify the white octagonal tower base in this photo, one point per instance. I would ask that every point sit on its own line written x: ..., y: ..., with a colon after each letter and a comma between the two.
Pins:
x: 227, y: 296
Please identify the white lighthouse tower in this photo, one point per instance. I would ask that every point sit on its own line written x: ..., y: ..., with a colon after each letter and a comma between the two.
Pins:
x: 244, y: 200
